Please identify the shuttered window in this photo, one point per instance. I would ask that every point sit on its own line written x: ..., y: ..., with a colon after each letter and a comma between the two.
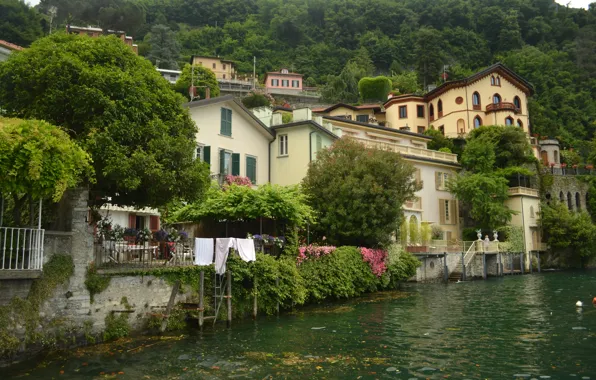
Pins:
x: 226, y: 122
x: 441, y: 179
x: 251, y: 169
x: 447, y: 211
x: 225, y: 162
x: 235, y: 164
x: 154, y: 222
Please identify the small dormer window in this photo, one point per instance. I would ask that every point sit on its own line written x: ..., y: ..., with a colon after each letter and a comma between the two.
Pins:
x: 284, y: 71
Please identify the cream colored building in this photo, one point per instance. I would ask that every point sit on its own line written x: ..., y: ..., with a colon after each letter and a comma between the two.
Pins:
x: 231, y: 139
x: 494, y: 96
x: 365, y: 113
x: 222, y: 68
x: 526, y: 203
x: 130, y: 217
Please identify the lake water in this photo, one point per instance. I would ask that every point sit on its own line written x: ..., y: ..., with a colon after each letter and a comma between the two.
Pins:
x: 505, y: 328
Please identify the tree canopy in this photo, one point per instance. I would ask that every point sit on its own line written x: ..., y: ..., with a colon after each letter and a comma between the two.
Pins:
x: 19, y: 24
x: 117, y: 107
x: 164, y: 48
x: 358, y: 193
x: 203, y: 77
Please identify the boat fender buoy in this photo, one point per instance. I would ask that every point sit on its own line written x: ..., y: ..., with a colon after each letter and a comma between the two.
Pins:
x: 594, y: 301
x: 579, y: 304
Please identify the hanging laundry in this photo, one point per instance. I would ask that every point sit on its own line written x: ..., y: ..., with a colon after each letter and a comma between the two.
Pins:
x: 203, y: 251
x: 222, y: 248
x: 246, y: 249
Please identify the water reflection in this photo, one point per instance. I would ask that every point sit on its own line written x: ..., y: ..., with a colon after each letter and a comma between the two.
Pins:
x: 501, y: 328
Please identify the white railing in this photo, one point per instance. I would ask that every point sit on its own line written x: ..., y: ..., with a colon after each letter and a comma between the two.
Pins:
x: 523, y: 191
x: 21, y: 248
x: 409, y: 150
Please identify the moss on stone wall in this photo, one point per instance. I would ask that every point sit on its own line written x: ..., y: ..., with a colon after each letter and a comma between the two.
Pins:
x: 95, y: 283
x: 22, y: 316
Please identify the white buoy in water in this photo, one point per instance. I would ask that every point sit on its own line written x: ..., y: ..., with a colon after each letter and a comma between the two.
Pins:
x: 579, y: 304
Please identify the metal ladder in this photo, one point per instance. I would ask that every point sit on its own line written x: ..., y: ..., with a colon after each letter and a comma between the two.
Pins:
x: 219, y: 290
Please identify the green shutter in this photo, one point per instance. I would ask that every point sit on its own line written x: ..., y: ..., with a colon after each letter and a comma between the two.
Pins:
x: 207, y: 155
x: 222, y: 161
x: 251, y: 169
x: 235, y: 163
x: 226, y: 122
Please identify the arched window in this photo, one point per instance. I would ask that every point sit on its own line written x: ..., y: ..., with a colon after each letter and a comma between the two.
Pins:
x: 556, y: 154
x: 509, y: 120
x: 519, y: 123
x: 498, y: 81
x: 569, y: 201
x: 547, y: 196
x: 492, y: 80
x: 517, y: 103
x: 461, y: 126
x: 431, y: 111
x: 578, y: 202
x: 477, y: 122
x: 544, y: 157
x: 440, y: 108
x: 476, y: 100
x: 532, y: 212
x: 496, y: 99
x: 562, y: 197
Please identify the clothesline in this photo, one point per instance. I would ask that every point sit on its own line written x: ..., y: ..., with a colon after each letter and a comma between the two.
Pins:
x: 206, y: 247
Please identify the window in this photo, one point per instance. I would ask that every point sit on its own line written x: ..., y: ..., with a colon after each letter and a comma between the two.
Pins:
x: 284, y: 71
x: 283, y: 145
x: 139, y: 222
x: 214, y: 65
x: 519, y: 123
x: 362, y: 118
x: 509, y: 120
x: 225, y: 162
x: 403, y: 112
x: 447, y: 211
x: 569, y: 201
x: 532, y: 212
x: 496, y: 99
x: 224, y: 76
x: 275, y: 82
x: 421, y: 129
x: 498, y: 81
x: 476, y: 101
x: 200, y: 63
x: 285, y: 83
x: 418, y: 177
x: 296, y: 83
x: 492, y: 80
x: 319, y: 143
x: 517, y: 103
x: 431, y: 112
x: 441, y: 179
x: 440, y: 107
x: 442, y: 130
x: 226, y: 122
x: 562, y: 197
x: 223, y: 66
x: 420, y: 111
x: 578, y: 204
x: 154, y: 222
x: 556, y: 153
x: 251, y: 169
x: 477, y: 122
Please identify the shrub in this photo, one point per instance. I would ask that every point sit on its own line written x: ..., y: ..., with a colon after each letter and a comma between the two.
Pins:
x: 401, y: 265
x: 374, y: 89
x: 313, y: 252
x: 255, y: 100
x: 94, y: 282
x: 339, y: 275
x: 375, y: 259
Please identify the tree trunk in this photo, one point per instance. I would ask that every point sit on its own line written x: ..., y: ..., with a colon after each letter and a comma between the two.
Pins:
x: 16, y: 212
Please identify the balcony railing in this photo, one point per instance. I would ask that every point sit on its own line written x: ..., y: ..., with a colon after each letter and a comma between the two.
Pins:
x: 21, y: 248
x: 503, y: 106
x: 111, y: 254
x: 409, y: 150
x: 523, y: 191
x: 415, y: 204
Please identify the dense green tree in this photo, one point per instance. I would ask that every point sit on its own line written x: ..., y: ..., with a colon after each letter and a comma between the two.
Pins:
x: 429, y: 55
x: 19, y: 24
x: 374, y: 89
x: 358, y: 193
x: 201, y: 77
x: 117, y: 107
x: 164, y: 48
x: 38, y: 160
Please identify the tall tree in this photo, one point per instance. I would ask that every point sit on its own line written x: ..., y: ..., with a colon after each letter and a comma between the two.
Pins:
x: 19, y: 24
x: 429, y: 55
x: 165, y: 50
x: 358, y: 193
x: 119, y: 109
x: 199, y: 76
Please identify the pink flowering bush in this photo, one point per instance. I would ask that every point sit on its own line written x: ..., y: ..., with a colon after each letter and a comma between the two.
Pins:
x: 237, y: 180
x: 313, y: 251
x: 376, y: 259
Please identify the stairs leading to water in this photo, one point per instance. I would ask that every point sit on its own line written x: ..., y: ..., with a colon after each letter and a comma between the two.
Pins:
x: 456, y: 274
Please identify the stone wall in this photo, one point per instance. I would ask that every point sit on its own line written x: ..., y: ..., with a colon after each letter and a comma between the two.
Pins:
x: 569, y: 185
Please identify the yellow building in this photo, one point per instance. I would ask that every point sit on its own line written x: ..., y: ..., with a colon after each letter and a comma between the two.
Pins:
x: 222, y: 68
x: 494, y: 96
x: 366, y: 113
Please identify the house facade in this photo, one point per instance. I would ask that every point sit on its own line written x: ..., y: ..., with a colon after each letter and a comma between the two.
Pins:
x: 231, y: 139
x: 494, y: 96
x: 171, y: 76
x: 129, y: 217
x: 366, y: 113
x: 283, y: 80
x: 222, y: 68
x: 96, y: 32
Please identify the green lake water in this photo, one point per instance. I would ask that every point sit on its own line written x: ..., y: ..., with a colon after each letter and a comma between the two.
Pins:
x: 505, y: 328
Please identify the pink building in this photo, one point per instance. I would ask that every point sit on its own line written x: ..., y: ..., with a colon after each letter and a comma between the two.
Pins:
x: 283, y: 80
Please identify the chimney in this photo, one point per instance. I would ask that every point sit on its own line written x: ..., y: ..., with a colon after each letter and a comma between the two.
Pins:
x: 302, y: 114
x: 207, y: 93
x: 276, y: 119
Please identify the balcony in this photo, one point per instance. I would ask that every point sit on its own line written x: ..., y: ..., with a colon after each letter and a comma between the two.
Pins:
x: 503, y: 106
x: 409, y: 150
x: 414, y: 205
x: 523, y: 191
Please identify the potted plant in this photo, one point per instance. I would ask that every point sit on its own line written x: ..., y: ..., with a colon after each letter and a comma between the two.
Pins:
x: 589, y: 167
x: 563, y: 165
x: 130, y: 235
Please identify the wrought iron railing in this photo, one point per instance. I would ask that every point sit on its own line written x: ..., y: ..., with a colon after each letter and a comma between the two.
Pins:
x: 21, y: 248
x: 121, y: 254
